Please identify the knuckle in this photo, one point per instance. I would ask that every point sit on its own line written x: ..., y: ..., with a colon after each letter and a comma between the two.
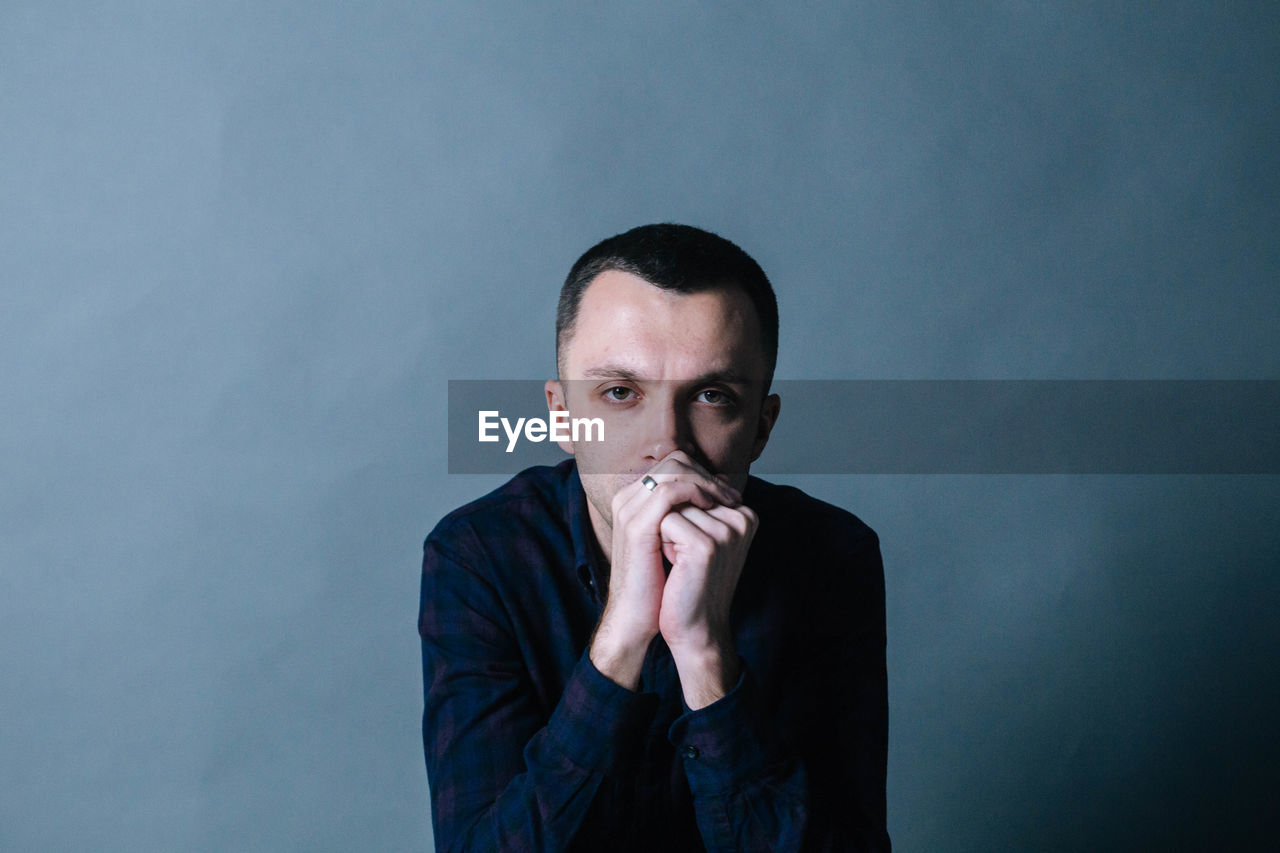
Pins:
x: 703, y: 546
x: 685, y: 490
x: 743, y: 522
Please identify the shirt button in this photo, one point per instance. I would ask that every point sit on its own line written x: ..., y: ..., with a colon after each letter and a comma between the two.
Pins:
x: 691, y: 752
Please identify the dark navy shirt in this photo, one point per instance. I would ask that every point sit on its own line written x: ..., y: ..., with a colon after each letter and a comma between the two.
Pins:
x: 530, y: 748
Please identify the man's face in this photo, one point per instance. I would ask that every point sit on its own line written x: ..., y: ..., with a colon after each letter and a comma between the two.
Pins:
x: 665, y: 371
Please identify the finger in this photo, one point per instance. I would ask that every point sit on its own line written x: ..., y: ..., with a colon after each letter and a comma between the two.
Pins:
x: 737, y: 526
x: 681, y: 458
x: 637, y: 493
x: 687, y: 537
x: 644, y: 512
x: 709, y: 521
x: 675, y: 467
x: 673, y: 489
x: 724, y: 524
x: 741, y: 518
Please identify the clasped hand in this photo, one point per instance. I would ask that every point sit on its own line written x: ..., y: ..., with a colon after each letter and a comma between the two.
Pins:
x: 698, y: 523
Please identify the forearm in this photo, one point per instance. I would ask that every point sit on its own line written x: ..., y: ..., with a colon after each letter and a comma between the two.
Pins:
x: 540, y: 809
x: 749, y: 791
x: 819, y: 787
x: 542, y: 806
x: 505, y: 772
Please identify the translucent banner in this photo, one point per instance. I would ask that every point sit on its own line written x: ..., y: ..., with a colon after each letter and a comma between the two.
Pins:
x: 890, y: 426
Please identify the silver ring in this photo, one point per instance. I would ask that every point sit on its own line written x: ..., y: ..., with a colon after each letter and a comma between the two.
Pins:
x: 649, y: 482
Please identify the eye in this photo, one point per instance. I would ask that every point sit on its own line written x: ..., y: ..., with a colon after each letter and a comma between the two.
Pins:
x: 618, y: 393
x: 715, y: 397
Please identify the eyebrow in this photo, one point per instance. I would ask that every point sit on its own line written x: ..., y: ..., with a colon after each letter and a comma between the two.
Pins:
x: 610, y: 371
x: 727, y: 376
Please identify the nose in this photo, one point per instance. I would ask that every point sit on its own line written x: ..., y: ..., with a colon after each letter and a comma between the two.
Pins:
x: 667, y: 428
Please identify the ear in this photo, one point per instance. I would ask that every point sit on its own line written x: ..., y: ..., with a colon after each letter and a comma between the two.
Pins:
x: 556, y: 402
x: 769, y: 410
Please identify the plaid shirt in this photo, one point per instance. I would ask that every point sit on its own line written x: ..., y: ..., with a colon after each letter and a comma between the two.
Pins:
x: 530, y: 748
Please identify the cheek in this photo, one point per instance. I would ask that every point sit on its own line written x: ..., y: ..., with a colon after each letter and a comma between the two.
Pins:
x: 598, y: 457
x: 611, y: 463
x: 599, y: 489
x: 722, y: 439
x: 621, y: 449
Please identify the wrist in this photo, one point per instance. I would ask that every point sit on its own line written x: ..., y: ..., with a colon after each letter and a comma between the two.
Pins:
x: 707, y: 671
x: 702, y: 645
x: 619, y: 655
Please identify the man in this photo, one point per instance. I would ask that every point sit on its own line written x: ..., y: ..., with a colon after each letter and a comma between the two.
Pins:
x: 645, y: 648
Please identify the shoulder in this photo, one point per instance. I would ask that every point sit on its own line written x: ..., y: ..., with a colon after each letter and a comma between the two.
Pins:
x: 788, y: 508
x: 529, y: 505
x: 821, y: 558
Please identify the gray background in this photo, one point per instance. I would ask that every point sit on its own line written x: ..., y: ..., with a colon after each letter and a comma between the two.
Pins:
x: 246, y: 244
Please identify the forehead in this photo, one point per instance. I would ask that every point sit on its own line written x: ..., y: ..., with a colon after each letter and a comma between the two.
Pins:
x: 624, y: 320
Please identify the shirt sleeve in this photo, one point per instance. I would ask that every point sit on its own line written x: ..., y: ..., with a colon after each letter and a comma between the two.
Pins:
x: 502, y: 775
x: 753, y: 790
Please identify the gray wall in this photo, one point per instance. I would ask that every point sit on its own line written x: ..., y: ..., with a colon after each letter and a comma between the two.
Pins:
x: 246, y: 244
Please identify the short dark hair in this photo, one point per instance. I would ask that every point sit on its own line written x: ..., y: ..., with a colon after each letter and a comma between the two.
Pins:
x: 679, y: 258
